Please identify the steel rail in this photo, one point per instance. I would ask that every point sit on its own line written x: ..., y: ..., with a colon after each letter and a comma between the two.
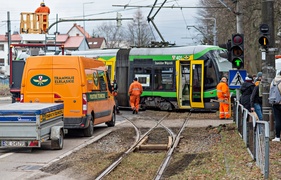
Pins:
x: 175, y: 143
x: 131, y: 149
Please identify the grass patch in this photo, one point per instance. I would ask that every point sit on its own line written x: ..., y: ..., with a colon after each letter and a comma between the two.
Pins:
x: 4, y: 90
x: 223, y: 158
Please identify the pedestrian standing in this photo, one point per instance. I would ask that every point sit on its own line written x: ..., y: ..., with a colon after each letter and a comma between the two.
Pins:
x: 223, y: 95
x: 277, y: 108
x: 257, y: 80
x: 43, y: 9
x: 256, y: 100
x: 246, y: 90
x: 115, y: 93
x: 135, y: 91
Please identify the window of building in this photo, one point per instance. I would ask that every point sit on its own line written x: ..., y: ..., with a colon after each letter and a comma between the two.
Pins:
x: 1, y: 47
x: 2, y: 62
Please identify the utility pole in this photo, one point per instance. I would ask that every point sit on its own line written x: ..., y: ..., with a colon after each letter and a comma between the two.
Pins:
x: 268, y: 58
x: 214, y: 30
x: 239, y: 19
x: 9, y: 36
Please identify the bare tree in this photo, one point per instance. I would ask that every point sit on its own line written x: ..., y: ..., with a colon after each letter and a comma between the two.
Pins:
x: 139, y: 33
x: 113, y: 35
x: 226, y: 26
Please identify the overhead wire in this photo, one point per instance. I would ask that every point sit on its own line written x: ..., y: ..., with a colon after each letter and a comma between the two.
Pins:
x: 184, y: 20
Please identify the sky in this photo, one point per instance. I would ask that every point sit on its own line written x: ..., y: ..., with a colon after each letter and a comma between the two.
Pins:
x: 171, y: 22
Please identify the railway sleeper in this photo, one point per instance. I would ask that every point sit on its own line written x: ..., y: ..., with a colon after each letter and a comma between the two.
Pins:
x: 160, y: 146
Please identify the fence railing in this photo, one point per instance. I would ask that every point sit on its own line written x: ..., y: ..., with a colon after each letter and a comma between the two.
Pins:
x: 255, y: 134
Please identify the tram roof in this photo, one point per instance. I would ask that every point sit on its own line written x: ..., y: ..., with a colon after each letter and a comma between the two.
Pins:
x: 96, y: 52
x: 172, y: 50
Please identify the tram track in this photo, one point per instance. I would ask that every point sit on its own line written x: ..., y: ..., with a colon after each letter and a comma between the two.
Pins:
x: 166, y: 161
x: 141, y: 138
x: 197, y: 141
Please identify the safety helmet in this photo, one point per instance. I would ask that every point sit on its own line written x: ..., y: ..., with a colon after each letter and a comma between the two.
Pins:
x: 42, y: 4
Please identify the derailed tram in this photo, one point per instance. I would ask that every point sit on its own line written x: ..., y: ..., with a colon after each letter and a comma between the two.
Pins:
x: 173, y: 78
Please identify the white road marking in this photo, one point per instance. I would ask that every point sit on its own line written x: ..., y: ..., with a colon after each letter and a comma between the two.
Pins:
x: 5, y: 155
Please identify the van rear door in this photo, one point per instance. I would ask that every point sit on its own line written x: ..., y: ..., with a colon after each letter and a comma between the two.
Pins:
x: 37, y: 83
x: 68, y: 90
x: 67, y: 85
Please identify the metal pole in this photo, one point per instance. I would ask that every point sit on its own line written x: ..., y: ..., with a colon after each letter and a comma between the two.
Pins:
x: 239, y: 19
x: 268, y: 64
x: 73, y: 20
x: 84, y: 26
x: 214, y: 30
x: 9, y: 35
x: 205, y: 36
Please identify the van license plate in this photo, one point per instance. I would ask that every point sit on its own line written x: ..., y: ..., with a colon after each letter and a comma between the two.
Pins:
x: 13, y: 143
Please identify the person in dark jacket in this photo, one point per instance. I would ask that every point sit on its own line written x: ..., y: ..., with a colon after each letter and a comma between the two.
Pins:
x: 256, y: 101
x: 246, y: 90
x: 114, y: 93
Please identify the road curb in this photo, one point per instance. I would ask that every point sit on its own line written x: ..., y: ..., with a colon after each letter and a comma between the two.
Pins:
x: 5, y: 98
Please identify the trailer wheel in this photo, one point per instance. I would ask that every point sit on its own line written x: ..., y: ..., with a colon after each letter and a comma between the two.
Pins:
x: 89, y: 131
x: 57, y: 144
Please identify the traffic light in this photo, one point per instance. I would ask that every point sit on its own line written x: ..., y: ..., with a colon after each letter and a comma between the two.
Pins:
x: 237, y: 51
x: 263, y: 40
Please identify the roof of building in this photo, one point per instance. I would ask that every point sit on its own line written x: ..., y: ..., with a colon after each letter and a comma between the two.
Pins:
x: 14, y: 37
x: 70, y: 42
x: 95, y: 42
x: 73, y: 42
x: 81, y: 29
x: 61, y: 38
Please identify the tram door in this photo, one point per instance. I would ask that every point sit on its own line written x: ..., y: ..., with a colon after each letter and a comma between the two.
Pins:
x: 196, y: 84
x: 184, y: 85
x: 190, y: 87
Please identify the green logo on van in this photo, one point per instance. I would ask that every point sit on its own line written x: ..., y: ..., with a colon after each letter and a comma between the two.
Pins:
x: 40, y: 80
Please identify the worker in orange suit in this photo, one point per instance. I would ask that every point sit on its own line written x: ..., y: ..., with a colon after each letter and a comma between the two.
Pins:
x: 223, y: 95
x: 135, y: 91
x: 43, y: 9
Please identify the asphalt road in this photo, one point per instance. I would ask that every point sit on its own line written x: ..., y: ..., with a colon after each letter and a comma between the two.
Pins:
x: 23, y: 163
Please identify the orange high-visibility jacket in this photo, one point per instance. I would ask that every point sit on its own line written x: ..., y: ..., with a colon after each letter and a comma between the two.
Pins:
x: 44, y: 9
x: 223, y: 91
x: 135, y: 89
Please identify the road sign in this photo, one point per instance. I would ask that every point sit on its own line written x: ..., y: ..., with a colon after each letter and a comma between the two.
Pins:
x: 236, y: 78
x: 50, y: 38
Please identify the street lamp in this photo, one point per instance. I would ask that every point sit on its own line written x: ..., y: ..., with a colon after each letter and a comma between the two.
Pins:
x: 214, y: 30
x: 205, y: 36
x: 84, y: 20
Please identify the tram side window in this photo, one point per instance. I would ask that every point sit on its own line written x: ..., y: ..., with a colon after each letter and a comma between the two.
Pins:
x: 210, y: 81
x: 163, y: 78
x: 144, y: 75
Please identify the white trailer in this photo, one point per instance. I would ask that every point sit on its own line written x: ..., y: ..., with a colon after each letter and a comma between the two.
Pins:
x: 30, y: 124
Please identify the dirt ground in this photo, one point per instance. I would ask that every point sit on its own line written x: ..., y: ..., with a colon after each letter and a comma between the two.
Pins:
x: 203, y: 153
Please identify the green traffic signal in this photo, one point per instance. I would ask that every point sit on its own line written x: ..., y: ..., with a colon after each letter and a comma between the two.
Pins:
x: 237, y: 63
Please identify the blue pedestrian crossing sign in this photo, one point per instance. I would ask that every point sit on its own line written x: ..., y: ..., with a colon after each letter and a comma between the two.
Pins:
x: 236, y: 78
